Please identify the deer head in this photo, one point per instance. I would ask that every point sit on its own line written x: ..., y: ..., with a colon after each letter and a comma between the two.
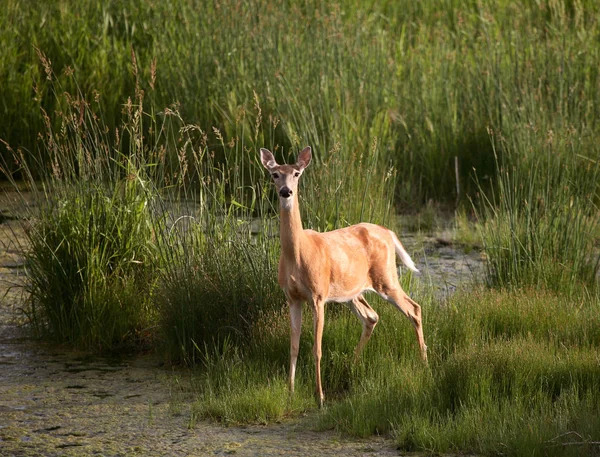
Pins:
x: 284, y: 176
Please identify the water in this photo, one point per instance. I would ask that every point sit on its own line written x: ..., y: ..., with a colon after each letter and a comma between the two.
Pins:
x: 444, y: 266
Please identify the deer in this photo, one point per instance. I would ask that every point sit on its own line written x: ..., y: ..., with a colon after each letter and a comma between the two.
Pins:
x: 335, y: 266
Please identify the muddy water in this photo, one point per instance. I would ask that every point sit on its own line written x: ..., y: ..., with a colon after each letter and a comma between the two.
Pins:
x: 56, y: 402
x: 444, y: 265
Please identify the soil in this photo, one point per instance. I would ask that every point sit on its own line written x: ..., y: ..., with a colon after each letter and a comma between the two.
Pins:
x: 58, y: 402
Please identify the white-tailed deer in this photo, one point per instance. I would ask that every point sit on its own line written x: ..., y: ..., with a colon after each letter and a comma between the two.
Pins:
x: 334, y: 266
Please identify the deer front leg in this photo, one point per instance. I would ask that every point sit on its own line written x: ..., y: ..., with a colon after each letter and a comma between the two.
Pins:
x: 296, y: 327
x: 319, y: 320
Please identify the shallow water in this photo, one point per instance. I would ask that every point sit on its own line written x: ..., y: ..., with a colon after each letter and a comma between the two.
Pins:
x: 444, y: 266
x: 55, y: 401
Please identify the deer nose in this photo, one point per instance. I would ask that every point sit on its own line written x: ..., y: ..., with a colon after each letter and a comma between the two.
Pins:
x: 285, y: 192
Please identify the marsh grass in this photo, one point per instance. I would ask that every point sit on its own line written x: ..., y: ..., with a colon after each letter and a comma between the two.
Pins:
x: 89, y: 248
x: 509, y: 372
x: 235, y: 389
x: 539, y: 226
x: 89, y: 266
x: 154, y: 211
x: 426, y: 80
x: 215, y: 294
x: 149, y: 226
x: 495, y: 383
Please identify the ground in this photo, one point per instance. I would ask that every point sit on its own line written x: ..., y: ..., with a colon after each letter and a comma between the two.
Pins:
x: 62, y: 403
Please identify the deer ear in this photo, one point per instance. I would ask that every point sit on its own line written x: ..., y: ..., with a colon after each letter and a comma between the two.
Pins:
x: 304, y: 158
x: 267, y: 159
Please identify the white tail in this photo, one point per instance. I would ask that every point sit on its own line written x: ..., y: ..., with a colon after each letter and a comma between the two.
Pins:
x: 334, y: 266
x: 406, y: 260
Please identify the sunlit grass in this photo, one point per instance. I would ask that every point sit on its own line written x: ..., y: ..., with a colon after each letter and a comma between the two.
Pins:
x: 508, y: 372
x: 539, y: 226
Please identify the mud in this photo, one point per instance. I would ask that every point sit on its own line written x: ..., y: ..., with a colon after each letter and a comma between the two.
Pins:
x: 444, y: 265
x: 57, y: 402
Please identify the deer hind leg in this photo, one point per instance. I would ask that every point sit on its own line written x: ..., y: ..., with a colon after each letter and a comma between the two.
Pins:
x: 369, y: 319
x: 410, y: 309
x: 319, y: 320
x: 296, y: 327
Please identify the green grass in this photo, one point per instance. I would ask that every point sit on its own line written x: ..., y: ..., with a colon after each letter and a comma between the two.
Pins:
x: 89, y: 243
x: 508, y: 373
x: 89, y: 266
x: 235, y: 390
x: 539, y: 228
x: 137, y: 127
x: 514, y: 373
x: 426, y: 80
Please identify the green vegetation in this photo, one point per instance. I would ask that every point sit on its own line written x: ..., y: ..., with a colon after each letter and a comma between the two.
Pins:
x: 427, y: 79
x: 508, y: 373
x: 90, y: 233
x: 541, y: 224
x: 154, y: 222
x: 89, y: 265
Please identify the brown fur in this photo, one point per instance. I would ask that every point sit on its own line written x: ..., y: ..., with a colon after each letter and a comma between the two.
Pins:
x: 333, y: 266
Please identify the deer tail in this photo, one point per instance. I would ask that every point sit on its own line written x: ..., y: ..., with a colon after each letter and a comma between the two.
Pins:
x: 401, y: 252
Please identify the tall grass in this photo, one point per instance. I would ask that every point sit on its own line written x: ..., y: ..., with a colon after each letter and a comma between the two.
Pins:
x: 89, y: 236
x: 89, y: 266
x: 221, y: 244
x: 150, y: 225
x: 540, y: 226
x: 427, y: 80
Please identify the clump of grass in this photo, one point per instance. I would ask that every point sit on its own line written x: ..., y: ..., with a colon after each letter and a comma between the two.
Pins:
x: 538, y: 226
x: 234, y: 389
x: 465, y: 231
x: 90, y: 242
x: 89, y: 266
x: 216, y: 293
x: 217, y: 244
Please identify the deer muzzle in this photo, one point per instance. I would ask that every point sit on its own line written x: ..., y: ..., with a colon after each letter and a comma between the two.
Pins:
x: 285, y: 192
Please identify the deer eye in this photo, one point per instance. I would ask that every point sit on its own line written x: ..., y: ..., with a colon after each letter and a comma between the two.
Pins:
x: 296, y: 174
x: 275, y: 175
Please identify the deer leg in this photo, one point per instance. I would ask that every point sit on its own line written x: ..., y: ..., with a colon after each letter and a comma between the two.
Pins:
x: 410, y: 309
x: 296, y: 327
x: 319, y: 320
x: 369, y: 319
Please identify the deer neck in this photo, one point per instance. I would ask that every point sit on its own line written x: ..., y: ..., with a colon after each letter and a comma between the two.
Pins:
x: 290, y: 230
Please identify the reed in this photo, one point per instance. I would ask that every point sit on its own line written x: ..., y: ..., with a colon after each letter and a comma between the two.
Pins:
x: 539, y: 225
x: 427, y: 81
x: 89, y: 241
